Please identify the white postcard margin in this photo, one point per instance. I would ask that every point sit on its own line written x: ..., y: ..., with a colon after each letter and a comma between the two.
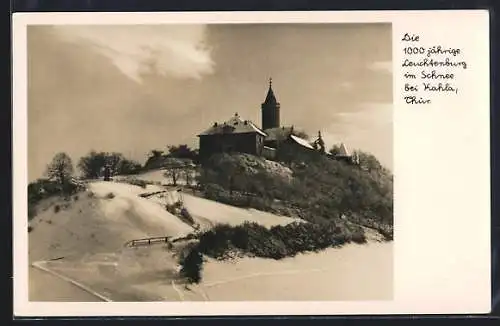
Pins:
x: 441, y: 174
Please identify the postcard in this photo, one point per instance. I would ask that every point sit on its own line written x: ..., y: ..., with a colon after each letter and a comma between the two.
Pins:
x: 254, y: 163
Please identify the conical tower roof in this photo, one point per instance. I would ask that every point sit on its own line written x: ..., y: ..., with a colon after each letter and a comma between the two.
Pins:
x: 270, y: 97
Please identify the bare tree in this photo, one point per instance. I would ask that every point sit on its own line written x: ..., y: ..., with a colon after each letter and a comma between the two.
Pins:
x: 188, y: 174
x: 114, y: 160
x: 173, y: 172
x: 60, y: 169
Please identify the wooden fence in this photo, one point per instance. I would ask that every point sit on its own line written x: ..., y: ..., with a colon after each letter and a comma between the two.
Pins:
x: 147, y: 241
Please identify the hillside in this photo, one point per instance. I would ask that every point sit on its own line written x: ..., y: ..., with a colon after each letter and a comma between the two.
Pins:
x: 90, y: 222
x: 83, y: 238
x: 316, y: 189
x: 252, y: 207
x: 344, y: 201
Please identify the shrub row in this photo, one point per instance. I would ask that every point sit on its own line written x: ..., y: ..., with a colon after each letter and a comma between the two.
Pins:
x: 385, y: 229
x: 278, y: 242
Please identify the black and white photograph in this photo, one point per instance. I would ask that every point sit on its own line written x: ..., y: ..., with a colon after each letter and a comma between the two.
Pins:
x: 210, y: 162
x: 311, y: 163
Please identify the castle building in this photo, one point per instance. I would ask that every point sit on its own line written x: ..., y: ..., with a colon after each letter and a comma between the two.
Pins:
x: 244, y: 136
x: 234, y: 135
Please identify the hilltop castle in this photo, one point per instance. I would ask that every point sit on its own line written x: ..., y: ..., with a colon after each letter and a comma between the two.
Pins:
x: 238, y: 135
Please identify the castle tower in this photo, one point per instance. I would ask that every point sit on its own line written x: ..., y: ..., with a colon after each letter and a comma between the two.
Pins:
x: 270, y: 110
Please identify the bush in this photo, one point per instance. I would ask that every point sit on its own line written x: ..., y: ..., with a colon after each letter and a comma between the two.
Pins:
x: 75, y: 198
x: 182, y: 151
x: 387, y: 234
x: 30, y: 228
x: 110, y: 195
x: 216, y: 242
x: 57, y: 208
x: 192, y: 266
x: 93, y: 164
x: 44, y: 188
x: 170, y: 208
x: 177, y: 155
x: 60, y: 169
x: 174, y: 208
x: 278, y: 242
x: 128, y: 167
x: 385, y: 229
x: 186, y: 216
x: 358, y: 238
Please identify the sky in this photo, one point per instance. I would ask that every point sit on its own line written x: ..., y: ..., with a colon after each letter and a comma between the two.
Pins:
x: 131, y: 89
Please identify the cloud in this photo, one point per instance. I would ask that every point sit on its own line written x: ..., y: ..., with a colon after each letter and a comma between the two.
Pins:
x: 367, y: 126
x: 384, y: 66
x: 169, y: 50
x: 346, y: 85
x: 368, y: 113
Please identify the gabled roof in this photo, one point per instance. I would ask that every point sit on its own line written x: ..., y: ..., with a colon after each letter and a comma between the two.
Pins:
x: 235, y: 125
x: 301, y: 141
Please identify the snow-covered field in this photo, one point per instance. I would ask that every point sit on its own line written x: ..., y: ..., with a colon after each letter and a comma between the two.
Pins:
x: 87, y: 235
x: 333, y: 274
x: 218, y: 213
x: 144, y: 214
x: 329, y: 275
